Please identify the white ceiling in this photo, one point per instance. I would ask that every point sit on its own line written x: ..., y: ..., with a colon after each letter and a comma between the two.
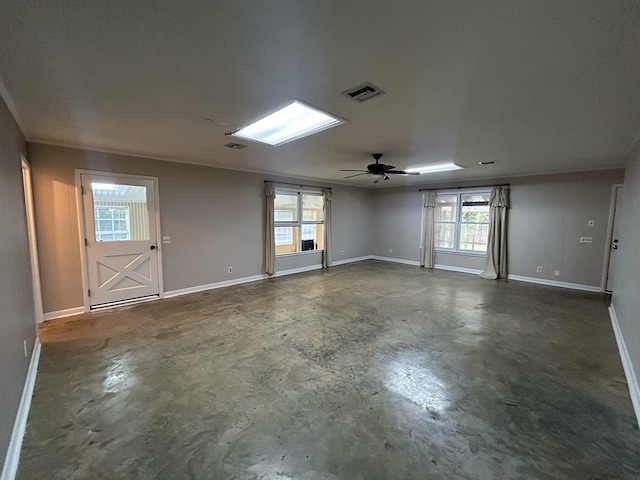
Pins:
x: 536, y: 86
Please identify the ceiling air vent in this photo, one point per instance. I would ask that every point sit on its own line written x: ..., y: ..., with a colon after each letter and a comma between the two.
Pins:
x: 364, y: 91
x: 235, y: 146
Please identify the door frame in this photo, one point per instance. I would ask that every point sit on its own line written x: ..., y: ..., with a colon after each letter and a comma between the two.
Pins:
x: 82, y: 234
x: 27, y: 186
x: 607, y: 247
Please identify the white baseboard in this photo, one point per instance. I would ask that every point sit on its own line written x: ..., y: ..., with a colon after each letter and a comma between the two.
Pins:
x: 15, y: 445
x: 553, y: 283
x: 62, y: 313
x: 451, y: 268
x: 632, y: 380
x: 291, y: 271
x: 211, y: 286
x: 396, y: 260
x: 350, y: 260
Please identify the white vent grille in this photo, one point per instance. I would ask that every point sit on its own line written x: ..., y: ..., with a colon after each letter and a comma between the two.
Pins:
x: 363, y: 92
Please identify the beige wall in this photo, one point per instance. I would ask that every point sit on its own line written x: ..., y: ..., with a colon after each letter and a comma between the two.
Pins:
x: 213, y: 216
x: 548, y: 215
x: 626, y: 295
x: 17, y: 314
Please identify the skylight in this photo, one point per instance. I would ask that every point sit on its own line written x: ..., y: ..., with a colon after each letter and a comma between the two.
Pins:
x: 443, y: 167
x: 294, y: 121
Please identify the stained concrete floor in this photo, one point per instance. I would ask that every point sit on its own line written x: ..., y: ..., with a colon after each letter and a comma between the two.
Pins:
x: 365, y: 371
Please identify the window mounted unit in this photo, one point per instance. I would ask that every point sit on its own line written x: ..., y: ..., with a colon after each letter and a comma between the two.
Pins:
x: 298, y: 221
x: 462, y: 222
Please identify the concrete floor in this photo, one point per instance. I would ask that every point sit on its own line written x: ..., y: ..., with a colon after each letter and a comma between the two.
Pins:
x: 365, y: 371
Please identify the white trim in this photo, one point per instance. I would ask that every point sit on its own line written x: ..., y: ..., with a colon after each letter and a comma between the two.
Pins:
x: 396, y: 260
x: 211, y: 286
x: 297, y: 270
x: 27, y: 187
x: 451, y: 268
x: 632, y: 380
x: 15, y: 445
x: 350, y: 260
x: 553, y: 283
x: 63, y: 313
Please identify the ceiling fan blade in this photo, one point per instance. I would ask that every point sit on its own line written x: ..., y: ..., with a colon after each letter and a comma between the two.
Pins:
x: 386, y: 168
x: 366, y: 171
x: 357, y: 174
x: 386, y: 177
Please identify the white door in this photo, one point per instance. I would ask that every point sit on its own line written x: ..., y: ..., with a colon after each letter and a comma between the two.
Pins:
x: 120, y: 238
x: 614, y: 240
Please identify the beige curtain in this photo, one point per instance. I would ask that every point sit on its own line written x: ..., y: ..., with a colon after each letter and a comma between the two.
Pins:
x: 326, y: 257
x: 496, y: 266
x: 428, y: 254
x: 269, y: 233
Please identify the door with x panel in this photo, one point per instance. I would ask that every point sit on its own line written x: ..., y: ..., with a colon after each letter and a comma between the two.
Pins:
x: 120, y: 238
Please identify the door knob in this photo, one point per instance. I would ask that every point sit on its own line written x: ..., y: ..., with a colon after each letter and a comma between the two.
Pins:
x: 153, y: 247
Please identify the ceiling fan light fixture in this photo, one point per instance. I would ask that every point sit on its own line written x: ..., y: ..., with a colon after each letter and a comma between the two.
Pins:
x: 443, y: 167
x: 292, y: 122
x: 377, y: 177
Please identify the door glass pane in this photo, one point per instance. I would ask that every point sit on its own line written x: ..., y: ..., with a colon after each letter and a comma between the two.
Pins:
x: 120, y: 212
x: 312, y: 207
x: 286, y: 204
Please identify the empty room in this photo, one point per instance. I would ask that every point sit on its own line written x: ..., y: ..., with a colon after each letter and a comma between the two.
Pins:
x: 278, y: 240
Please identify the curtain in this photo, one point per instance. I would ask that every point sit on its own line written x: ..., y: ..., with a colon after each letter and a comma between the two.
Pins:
x: 326, y: 257
x: 496, y: 266
x: 428, y: 254
x: 269, y: 233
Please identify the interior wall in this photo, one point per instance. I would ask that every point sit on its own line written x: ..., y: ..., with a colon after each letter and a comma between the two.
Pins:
x: 548, y: 215
x: 625, y: 300
x: 17, y: 313
x: 214, y: 217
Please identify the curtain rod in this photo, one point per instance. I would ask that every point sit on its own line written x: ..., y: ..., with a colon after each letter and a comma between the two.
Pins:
x: 472, y: 186
x: 296, y: 184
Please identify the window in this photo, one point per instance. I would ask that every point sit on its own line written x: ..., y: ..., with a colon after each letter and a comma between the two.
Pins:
x: 112, y: 223
x: 462, y: 222
x: 298, y: 221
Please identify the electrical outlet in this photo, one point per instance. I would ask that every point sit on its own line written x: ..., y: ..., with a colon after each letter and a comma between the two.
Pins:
x: 586, y: 239
x: 25, y: 347
x: 230, y: 269
x: 166, y: 239
x: 391, y: 250
x: 342, y: 252
x: 590, y: 223
x: 556, y: 273
x: 539, y: 269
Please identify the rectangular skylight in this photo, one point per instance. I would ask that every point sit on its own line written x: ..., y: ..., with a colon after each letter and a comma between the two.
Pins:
x: 294, y: 121
x: 443, y: 167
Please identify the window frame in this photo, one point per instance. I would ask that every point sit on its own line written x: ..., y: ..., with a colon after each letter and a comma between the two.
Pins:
x: 458, y: 222
x: 300, y: 222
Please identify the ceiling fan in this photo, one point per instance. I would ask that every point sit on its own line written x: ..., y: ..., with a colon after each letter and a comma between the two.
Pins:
x: 379, y: 171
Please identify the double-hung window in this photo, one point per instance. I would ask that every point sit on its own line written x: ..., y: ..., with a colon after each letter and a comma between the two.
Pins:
x: 298, y: 221
x: 462, y: 222
x: 112, y: 223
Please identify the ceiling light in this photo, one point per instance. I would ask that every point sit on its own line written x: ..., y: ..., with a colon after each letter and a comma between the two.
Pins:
x: 377, y: 177
x: 443, y: 167
x: 294, y: 121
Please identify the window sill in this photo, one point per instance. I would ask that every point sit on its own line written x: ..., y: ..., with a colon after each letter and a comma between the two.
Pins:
x: 462, y: 254
x: 295, y: 254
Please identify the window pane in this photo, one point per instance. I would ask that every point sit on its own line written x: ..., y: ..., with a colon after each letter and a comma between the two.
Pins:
x: 282, y: 216
x: 120, y: 212
x: 312, y: 207
x: 289, y: 238
x: 446, y: 208
x: 445, y: 235
x: 312, y: 237
x: 473, y: 236
x: 287, y: 203
x: 475, y: 208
